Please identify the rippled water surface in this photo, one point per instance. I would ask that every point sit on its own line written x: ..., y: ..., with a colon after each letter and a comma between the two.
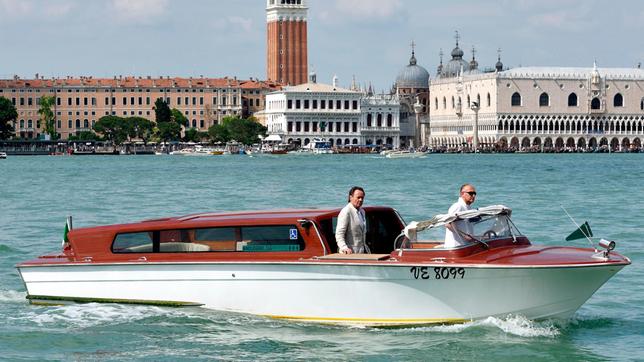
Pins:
x: 37, y: 193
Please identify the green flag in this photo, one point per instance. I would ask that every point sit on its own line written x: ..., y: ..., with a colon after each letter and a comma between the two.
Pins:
x: 65, y: 238
x: 583, y: 232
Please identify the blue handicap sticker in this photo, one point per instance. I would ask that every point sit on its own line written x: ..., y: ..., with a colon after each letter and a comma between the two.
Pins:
x: 292, y: 234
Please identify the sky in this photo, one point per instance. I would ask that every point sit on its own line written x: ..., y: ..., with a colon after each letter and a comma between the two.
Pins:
x: 366, y: 39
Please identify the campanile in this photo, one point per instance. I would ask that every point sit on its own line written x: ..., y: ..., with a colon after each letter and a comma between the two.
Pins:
x: 286, y: 54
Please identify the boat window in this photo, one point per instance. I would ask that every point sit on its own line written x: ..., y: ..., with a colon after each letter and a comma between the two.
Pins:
x: 382, y: 229
x: 133, y: 243
x: 493, y: 227
x: 247, y: 238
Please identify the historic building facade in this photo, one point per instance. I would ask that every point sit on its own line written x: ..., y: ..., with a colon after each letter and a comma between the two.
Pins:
x: 536, y: 108
x: 412, y: 86
x: 341, y: 116
x: 80, y: 102
x: 286, y: 58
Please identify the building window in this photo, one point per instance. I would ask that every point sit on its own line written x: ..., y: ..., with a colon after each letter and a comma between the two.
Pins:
x: 354, y: 127
x: 346, y: 104
x: 389, y: 120
x: 516, y: 99
x: 289, y: 104
x: 572, y: 100
x: 330, y: 104
x: 595, y: 103
x: 306, y: 104
x: 323, y: 104
x: 544, y: 100
x: 379, y: 120
x: 489, y: 100
x: 369, y: 120
x: 618, y: 100
x: 642, y: 104
x: 355, y: 104
x: 444, y: 103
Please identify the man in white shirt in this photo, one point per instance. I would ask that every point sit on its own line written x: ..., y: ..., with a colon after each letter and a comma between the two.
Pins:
x: 457, y: 232
x: 351, y: 230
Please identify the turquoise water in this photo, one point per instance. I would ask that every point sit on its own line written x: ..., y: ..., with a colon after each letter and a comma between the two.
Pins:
x: 37, y: 193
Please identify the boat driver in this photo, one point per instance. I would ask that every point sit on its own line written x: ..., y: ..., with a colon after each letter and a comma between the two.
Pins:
x: 458, y: 233
x: 352, y: 224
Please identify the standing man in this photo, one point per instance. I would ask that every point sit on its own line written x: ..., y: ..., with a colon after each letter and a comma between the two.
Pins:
x: 458, y: 233
x: 352, y: 225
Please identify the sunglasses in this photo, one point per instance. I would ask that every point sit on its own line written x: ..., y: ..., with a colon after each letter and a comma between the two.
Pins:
x: 471, y: 193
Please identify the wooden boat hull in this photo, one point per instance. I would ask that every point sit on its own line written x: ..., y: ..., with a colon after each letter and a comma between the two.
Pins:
x: 382, y: 293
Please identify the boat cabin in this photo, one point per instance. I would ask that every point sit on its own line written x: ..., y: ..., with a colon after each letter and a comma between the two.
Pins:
x: 281, y: 235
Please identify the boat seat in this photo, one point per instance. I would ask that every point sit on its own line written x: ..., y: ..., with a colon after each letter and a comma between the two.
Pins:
x: 169, y: 247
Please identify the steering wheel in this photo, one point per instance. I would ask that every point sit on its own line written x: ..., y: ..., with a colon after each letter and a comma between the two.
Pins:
x: 490, y: 234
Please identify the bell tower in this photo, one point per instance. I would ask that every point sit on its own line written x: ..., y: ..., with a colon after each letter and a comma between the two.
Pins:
x: 286, y: 46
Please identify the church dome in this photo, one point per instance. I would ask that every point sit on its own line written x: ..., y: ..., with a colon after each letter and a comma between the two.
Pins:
x: 413, y: 75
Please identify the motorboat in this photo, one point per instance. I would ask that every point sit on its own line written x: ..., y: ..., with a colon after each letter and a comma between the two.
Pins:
x: 404, y: 154
x: 3, y: 155
x: 284, y: 264
x: 318, y: 146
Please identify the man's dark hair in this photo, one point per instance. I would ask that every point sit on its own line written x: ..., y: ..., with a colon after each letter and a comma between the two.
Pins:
x: 354, y: 189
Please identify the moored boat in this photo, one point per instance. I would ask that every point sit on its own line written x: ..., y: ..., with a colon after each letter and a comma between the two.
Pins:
x: 3, y: 155
x: 283, y: 264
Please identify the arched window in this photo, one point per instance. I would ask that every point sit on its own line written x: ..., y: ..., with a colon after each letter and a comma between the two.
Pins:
x: 389, y: 120
x: 618, y: 101
x: 369, y: 120
x: 642, y: 104
x: 444, y: 103
x: 595, y: 104
x: 544, y: 100
x: 572, y: 100
x: 489, y: 100
x: 516, y: 99
x: 379, y: 120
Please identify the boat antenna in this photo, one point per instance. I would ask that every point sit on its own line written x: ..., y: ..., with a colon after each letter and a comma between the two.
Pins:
x: 579, y: 227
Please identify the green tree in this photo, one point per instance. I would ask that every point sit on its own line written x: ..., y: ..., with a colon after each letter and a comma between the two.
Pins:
x: 139, y: 127
x: 179, y: 118
x: 113, y: 128
x: 85, y: 136
x: 167, y: 129
x: 218, y: 133
x: 194, y: 135
x: 47, y: 116
x: 244, y: 130
x: 162, y: 111
x: 8, y: 113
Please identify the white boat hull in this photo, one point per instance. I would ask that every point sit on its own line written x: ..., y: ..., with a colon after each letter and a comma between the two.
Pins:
x: 330, y: 293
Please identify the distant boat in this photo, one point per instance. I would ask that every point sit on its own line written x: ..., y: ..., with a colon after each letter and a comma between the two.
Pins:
x: 3, y: 155
x: 405, y: 154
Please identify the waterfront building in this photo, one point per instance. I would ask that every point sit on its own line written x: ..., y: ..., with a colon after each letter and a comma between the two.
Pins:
x: 80, y: 102
x: 286, y: 50
x: 536, y: 108
x: 412, y: 87
x: 298, y: 114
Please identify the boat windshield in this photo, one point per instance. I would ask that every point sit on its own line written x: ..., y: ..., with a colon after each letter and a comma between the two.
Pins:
x: 493, y: 227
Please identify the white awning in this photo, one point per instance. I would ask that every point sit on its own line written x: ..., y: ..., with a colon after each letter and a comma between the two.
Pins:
x: 273, y: 138
x: 442, y: 219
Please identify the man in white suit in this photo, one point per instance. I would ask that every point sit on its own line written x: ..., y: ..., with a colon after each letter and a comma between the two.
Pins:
x: 351, y: 230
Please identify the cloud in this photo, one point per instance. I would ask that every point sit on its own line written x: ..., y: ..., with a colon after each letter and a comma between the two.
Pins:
x: 57, y: 10
x: 368, y: 9
x: 14, y: 8
x: 244, y: 23
x: 139, y: 10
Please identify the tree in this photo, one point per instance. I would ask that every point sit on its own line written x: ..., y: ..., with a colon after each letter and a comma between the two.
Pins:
x: 179, y: 118
x: 48, y: 117
x: 167, y: 129
x: 162, y: 111
x: 194, y: 135
x: 244, y: 130
x: 139, y: 127
x: 218, y: 133
x: 85, y: 136
x: 8, y: 113
x: 113, y: 128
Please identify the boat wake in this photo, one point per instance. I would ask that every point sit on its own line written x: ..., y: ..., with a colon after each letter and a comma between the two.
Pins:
x: 91, y: 314
x: 514, y: 325
x: 12, y: 296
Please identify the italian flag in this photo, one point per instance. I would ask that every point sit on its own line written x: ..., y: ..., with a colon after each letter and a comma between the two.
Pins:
x: 68, y: 226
